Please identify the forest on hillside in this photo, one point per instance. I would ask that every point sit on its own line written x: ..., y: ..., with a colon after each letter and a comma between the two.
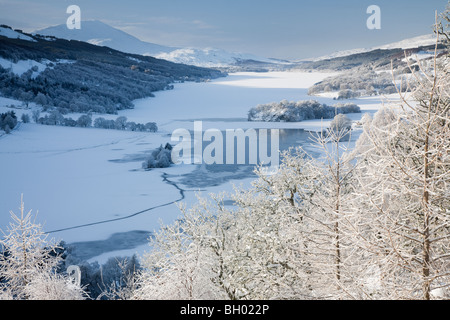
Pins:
x: 80, y: 77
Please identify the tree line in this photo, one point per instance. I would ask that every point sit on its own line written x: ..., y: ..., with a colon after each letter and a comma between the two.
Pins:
x: 55, y: 118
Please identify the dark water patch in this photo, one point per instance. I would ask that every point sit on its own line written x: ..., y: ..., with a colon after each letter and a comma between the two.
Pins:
x: 214, y: 175
x: 229, y: 202
x: 118, y: 241
x: 138, y: 157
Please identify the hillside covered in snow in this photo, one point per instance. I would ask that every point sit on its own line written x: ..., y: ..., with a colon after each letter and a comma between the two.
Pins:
x: 76, y: 76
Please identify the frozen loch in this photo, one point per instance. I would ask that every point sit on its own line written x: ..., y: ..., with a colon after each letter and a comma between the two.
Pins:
x: 88, y: 184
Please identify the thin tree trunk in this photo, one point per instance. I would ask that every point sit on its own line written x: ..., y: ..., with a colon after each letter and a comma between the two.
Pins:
x: 336, y: 225
x: 426, y: 220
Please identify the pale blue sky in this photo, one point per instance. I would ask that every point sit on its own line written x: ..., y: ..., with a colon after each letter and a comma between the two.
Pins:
x: 281, y: 29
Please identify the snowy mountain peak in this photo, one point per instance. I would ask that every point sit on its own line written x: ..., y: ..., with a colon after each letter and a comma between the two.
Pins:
x: 210, y: 57
x: 101, y: 34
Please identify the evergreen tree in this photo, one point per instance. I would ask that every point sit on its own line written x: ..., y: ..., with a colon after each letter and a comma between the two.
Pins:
x: 28, y: 265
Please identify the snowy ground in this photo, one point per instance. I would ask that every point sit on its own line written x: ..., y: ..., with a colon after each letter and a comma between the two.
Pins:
x: 88, y: 185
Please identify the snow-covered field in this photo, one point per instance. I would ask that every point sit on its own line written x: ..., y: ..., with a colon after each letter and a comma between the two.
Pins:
x: 87, y: 184
x: 22, y: 66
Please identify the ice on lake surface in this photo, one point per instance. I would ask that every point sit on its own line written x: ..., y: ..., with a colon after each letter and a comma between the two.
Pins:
x: 209, y: 175
x: 87, y: 184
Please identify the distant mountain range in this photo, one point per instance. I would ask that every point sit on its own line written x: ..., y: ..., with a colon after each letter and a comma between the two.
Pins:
x: 410, y: 43
x: 99, y: 33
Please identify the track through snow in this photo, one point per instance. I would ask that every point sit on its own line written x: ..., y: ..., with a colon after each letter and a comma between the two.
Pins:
x: 164, y: 178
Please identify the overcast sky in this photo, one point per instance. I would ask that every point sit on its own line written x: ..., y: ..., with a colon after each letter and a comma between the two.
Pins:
x: 286, y: 29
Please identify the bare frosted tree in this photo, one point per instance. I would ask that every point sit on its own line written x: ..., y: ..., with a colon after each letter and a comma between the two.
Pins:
x: 329, y: 233
x: 403, y: 193
x: 178, y: 264
x: 443, y: 25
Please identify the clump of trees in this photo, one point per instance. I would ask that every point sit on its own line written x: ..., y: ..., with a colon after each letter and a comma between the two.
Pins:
x: 355, y: 83
x: 358, y: 82
x: 350, y: 94
x: 55, y: 118
x: 341, y: 126
x: 161, y: 157
x: 8, y: 121
x: 293, y: 111
x: 121, y: 123
x: 25, y: 118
